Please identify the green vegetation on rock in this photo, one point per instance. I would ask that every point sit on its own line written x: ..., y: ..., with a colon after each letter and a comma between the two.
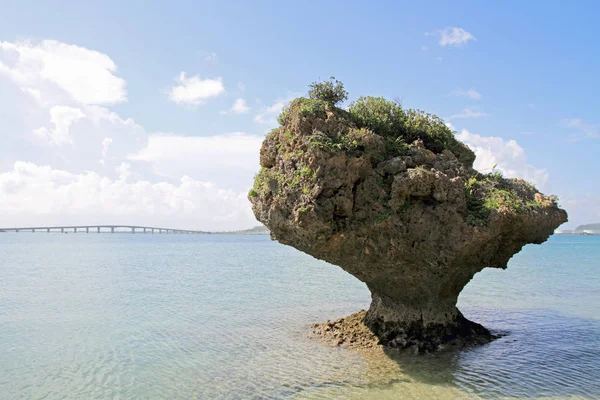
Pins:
x: 487, y: 193
x: 331, y: 92
x: 377, y: 129
x: 398, y: 126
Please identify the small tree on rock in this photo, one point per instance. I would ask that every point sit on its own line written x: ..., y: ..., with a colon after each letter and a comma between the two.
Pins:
x: 331, y: 92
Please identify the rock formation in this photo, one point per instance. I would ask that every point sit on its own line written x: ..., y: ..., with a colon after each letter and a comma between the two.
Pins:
x: 390, y: 195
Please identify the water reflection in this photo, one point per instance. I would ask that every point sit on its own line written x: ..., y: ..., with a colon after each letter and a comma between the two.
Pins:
x: 547, y: 355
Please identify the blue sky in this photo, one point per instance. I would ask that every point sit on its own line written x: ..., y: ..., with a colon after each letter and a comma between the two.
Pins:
x: 521, y: 71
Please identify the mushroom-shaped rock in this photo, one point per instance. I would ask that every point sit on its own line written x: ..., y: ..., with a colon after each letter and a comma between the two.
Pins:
x: 390, y: 196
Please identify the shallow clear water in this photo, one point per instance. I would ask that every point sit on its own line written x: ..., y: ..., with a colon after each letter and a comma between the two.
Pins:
x: 126, y: 316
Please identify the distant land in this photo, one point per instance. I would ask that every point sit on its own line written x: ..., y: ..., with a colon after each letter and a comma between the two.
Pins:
x: 257, y: 230
x: 588, y: 227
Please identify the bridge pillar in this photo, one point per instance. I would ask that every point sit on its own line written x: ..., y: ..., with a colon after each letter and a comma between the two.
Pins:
x: 33, y: 231
x: 87, y: 229
x: 74, y: 230
x: 48, y: 230
x: 16, y: 230
x: 62, y: 230
x: 98, y: 229
x: 132, y: 230
x: 153, y: 231
x: 112, y: 229
x: 144, y: 230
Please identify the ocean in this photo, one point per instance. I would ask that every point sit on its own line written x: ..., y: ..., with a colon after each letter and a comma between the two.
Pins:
x: 134, y: 316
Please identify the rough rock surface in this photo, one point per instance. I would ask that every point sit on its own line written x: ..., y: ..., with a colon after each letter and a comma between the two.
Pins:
x: 350, y: 331
x: 413, y: 220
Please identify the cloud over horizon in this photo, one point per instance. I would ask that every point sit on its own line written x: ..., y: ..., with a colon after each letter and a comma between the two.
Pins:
x: 507, y: 156
x: 69, y: 159
x: 31, y: 194
x: 229, y: 159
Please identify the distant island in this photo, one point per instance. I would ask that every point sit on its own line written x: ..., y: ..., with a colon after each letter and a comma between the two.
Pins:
x: 585, y: 229
x: 588, y: 227
x: 257, y: 230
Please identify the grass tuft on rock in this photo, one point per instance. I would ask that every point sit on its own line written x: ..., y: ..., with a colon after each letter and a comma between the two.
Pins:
x: 398, y: 126
x: 488, y: 193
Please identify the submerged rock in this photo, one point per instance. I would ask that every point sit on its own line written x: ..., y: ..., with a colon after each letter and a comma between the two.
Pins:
x: 391, y: 197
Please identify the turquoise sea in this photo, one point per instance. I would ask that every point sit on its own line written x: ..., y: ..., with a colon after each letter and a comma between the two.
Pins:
x: 122, y: 316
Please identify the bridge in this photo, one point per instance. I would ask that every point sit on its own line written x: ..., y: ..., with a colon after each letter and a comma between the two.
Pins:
x: 102, y: 229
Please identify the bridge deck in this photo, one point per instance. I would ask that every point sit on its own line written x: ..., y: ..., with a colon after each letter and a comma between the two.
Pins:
x: 101, y: 228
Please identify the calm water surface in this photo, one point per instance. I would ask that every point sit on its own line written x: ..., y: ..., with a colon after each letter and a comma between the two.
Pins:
x: 124, y: 316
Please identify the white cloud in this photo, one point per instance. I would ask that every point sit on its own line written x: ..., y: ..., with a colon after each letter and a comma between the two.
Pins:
x: 240, y: 107
x: 78, y: 136
x: 39, y: 195
x: 470, y: 93
x: 584, y: 129
x: 66, y: 159
x: 47, y: 91
x: 230, y: 159
x: 468, y: 112
x: 194, y: 90
x: 62, y: 117
x: 452, y: 36
x: 506, y: 156
x: 84, y: 75
x: 105, y: 145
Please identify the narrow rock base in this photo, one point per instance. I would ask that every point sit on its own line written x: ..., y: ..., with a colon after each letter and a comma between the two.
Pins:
x: 353, y: 332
